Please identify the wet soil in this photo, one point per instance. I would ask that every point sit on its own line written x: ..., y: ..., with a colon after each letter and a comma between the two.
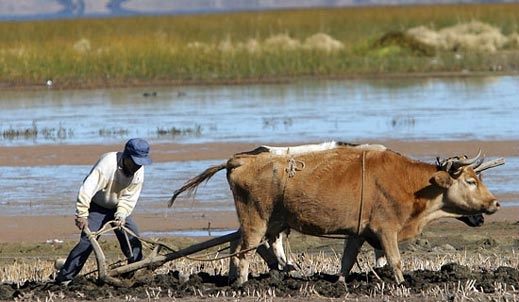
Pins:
x: 277, y: 284
x: 451, y: 281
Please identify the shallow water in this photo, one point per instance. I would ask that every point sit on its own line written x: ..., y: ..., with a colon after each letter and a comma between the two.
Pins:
x: 30, y: 194
x: 433, y: 109
x: 312, y: 111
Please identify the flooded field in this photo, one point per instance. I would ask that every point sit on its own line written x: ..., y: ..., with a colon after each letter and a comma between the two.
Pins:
x: 52, y: 190
x: 355, y: 111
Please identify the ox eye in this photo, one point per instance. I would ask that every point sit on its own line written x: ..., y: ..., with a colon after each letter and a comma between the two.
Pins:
x: 471, y: 181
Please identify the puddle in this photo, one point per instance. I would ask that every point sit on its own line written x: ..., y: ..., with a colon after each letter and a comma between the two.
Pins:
x: 189, y: 233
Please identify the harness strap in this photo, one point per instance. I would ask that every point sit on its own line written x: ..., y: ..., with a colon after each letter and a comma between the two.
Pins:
x: 362, y: 176
x: 293, y: 166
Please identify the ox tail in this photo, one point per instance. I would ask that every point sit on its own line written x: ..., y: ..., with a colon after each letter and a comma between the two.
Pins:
x: 191, y: 185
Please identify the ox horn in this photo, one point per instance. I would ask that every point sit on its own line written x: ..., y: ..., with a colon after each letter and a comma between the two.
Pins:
x: 478, y: 162
x: 489, y: 164
x: 456, y: 164
x: 453, y: 164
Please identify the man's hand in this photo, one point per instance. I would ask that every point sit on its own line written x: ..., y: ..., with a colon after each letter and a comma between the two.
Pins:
x: 120, y: 220
x: 81, y: 222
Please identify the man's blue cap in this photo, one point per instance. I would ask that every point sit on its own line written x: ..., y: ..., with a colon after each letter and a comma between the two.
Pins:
x: 138, y: 149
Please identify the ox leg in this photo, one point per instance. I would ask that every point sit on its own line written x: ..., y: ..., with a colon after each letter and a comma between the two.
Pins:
x: 273, y: 253
x: 276, y: 247
x: 380, y: 259
x: 390, y: 245
x: 250, y: 238
x: 266, y: 252
x: 352, y: 247
x: 233, y: 263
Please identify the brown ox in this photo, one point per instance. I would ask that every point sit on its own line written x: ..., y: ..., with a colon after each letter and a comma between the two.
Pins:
x: 377, y: 196
x: 274, y: 253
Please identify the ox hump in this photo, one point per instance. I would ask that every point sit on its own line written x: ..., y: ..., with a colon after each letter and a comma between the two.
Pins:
x: 302, y: 149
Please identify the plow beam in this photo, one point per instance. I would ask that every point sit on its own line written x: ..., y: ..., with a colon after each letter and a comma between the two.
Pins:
x: 151, y: 262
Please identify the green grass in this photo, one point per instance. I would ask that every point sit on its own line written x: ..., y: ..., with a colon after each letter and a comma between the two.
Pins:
x: 240, y: 47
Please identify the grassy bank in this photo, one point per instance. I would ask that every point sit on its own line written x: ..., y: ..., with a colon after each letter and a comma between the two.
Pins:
x: 260, y: 45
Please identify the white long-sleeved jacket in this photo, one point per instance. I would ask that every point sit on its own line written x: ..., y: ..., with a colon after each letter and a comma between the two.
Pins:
x: 107, y: 186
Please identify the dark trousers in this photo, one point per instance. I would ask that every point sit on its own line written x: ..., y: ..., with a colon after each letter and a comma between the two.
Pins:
x: 98, y: 217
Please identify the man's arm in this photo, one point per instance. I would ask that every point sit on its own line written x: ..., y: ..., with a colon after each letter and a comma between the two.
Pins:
x: 93, y: 182
x: 128, y: 200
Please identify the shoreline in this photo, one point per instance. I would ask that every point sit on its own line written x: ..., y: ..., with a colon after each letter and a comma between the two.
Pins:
x: 116, y: 84
x: 51, y: 155
x: 42, y: 228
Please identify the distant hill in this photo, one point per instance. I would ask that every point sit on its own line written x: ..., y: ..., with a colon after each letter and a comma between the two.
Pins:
x: 58, y: 9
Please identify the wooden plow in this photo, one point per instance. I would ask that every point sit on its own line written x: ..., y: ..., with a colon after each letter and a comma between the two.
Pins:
x: 154, y: 259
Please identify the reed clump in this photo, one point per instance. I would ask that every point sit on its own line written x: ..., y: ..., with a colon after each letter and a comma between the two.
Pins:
x: 33, y: 132
x: 259, y: 46
x: 174, y: 131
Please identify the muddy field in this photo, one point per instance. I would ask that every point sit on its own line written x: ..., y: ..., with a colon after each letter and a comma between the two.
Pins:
x: 452, y: 282
x: 478, y: 263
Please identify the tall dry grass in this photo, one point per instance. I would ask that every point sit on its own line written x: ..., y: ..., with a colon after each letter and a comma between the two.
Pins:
x: 314, y: 256
x: 254, y: 45
x: 307, y: 263
x: 310, y: 255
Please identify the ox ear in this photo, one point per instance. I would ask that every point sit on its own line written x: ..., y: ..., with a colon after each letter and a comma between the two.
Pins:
x: 441, y: 179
